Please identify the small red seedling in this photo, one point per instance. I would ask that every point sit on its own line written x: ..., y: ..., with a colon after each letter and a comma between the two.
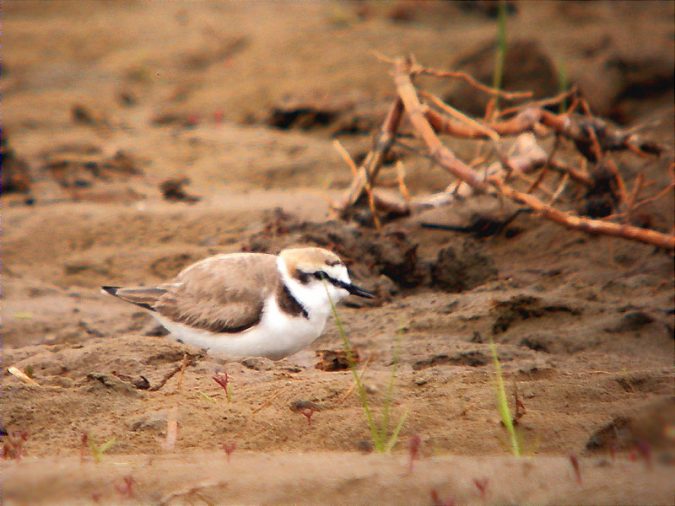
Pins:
x: 482, y: 486
x: 520, y: 405
x: 414, y: 445
x: 229, y: 448
x: 84, y: 446
x: 577, y: 468
x: 12, y: 446
x: 306, y: 409
x: 308, y: 413
x: 193, y: 119
x: 223, y: 380
x: 644, y: 450
x: 437, y: 501
x: 218, y: 116
x: 126, y: 488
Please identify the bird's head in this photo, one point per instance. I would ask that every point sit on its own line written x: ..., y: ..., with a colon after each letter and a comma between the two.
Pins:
x: 316, y: 267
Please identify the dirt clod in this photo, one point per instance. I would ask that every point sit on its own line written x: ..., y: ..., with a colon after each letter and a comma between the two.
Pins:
x: 632, y: 321
x: 646, y: 425
x: 174, y: 190
x: 469, y: 358
x: 87, y: 115
x: 392, y: 253
x: 335, y: 360
x: 302, y: 115
x: 458, y: 270
x: 15, y: 171
x: 258, y: 363
x: 155, y: 422
x: 524, y: 307
x: 113, y: 383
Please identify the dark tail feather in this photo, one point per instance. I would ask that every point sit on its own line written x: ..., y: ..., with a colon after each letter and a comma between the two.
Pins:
x: 141, y: 296
x: 112, y: 290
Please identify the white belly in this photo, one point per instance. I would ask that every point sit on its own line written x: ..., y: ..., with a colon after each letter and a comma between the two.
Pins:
x: 276, y: 336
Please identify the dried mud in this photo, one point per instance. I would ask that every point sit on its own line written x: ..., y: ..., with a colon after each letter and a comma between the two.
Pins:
x: 234, y: 97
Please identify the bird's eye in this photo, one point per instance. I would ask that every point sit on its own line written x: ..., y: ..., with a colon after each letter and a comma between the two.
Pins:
x: 320, y: 275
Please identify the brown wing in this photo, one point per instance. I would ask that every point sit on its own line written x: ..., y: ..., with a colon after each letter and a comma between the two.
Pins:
x: 224, y: 293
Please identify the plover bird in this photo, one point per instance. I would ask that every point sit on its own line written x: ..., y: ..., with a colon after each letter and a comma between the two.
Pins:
x: 249, y: 304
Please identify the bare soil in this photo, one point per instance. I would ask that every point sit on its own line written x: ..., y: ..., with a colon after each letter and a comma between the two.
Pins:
x: 104, y: 101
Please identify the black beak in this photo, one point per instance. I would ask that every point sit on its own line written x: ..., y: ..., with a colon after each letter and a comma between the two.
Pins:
x: 356, y: 290
x: 353, y: 289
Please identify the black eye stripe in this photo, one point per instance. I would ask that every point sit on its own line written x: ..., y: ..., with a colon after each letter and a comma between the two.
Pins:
x: 305, y: 277
x: 321, y: 275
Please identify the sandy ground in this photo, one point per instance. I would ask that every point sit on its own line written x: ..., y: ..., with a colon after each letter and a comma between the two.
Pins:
x: 301, y: 478
x: 105, y: 100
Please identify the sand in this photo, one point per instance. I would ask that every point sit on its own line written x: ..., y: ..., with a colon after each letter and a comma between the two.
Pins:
x: 105, y: 100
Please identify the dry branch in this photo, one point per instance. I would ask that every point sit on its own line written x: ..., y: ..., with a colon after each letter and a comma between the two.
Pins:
x: 592, y: 137
x: 586, y: 224
x: 442, y: 155
x: 400, y: 179
x: 18, y: 373
x: 368, y: 185
x: 562, y: 124
x: 471, y: 81
x: 457, y: 74
x: 461, y: 116
x: 659, y: 195
x: 189, y: 361
x: 547, y: 102
x: 371, y: 165
x: 621, y: 186
x: 575, y: 174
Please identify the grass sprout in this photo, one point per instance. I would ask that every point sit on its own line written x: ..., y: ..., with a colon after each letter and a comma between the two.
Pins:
x: 207, y: 397
x: 502, y: 402
x: 383, y: 439
x: 98, y: 450
x: 500, y: 56
x: 229, y: 448
x: 563, y: 84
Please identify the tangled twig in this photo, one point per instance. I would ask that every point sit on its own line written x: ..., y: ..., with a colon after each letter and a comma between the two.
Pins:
x: 591, y: 136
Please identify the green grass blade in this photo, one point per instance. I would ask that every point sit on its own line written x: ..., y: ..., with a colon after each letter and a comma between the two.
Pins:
x: 207, y: 397
x: 394, y: 435
x: 97, y: 451
x: 502, y: 403
x: 375, y: 435
x: 379, y: 433
x: 389, y: 395
x: 500, y: 56
x: 563, y: 84
x: 107, y: 445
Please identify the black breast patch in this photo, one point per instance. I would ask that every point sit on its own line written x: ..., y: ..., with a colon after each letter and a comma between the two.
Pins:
x: 290, y: 304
